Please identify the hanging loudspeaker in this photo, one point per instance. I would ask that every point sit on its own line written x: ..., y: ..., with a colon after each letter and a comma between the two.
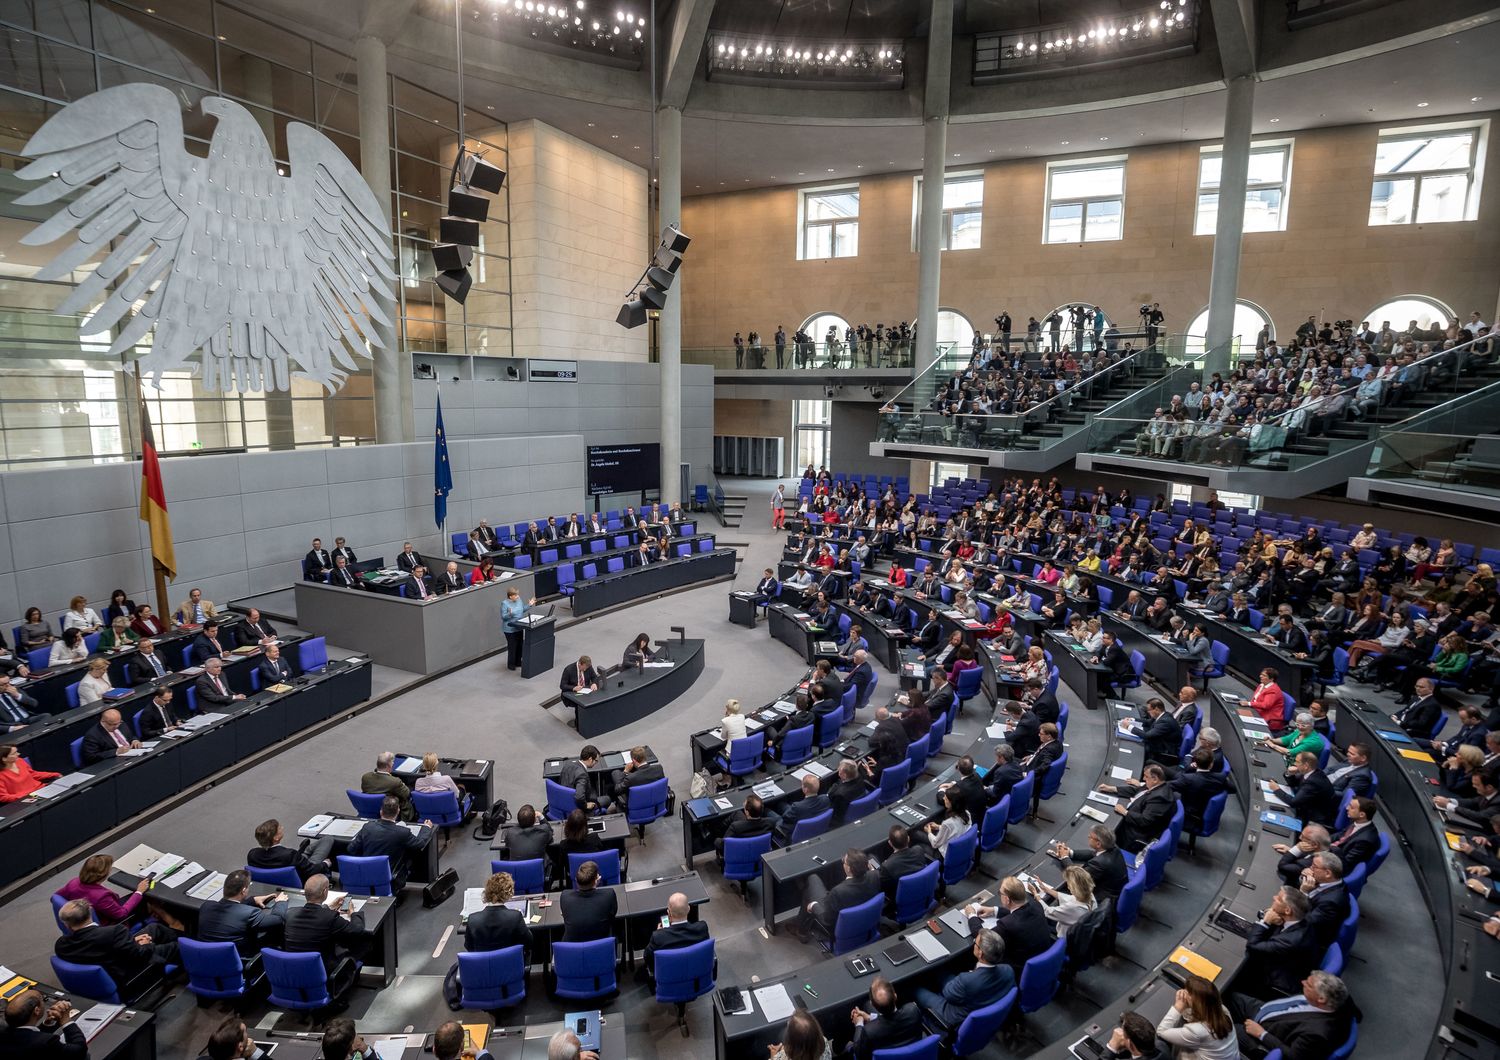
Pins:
x: 448, y: 257
x: 632, y: 314
x: 653, y: 298
x: 455, y: 284
x: 660, y: 279
x: 459, y: 230
x: 673, y: 239
x: 464, y: 203
x: 481, y: 175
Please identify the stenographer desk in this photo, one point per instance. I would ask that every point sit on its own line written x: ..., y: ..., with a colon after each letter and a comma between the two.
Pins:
x: 419, y: 636
x: 474, y: 776
x: 36, y: 831
x: 424, y: 863
x: 625, y: 696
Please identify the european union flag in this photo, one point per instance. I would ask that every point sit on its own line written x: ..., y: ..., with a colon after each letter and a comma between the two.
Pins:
x: 442, y: 471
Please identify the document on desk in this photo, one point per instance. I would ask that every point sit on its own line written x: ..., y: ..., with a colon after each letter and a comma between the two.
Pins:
x: 818, y: 769
x: 767, y: 789
x: 663, y: 664
x: 927, y: 945
x: 96, y: 1019
x: 775, y: 1003
x: 344, y: 828
x: 406, y: 764
x: 136, y: 861
x: 164, y: 864
x: 473, y: 902
x: 178, y: 877
x: 1121, y: 773
x: 1101, y: 798
x: 414, y: 829
x: 582, y: 691
x: 315, y: 825
x: 49, y: 791
x: 209, y: 888
x: 781, y: 706
x: 71, y: 780
x: 995, y: 732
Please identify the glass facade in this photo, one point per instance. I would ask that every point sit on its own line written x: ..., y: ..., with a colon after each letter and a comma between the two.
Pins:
x: 63, y: 398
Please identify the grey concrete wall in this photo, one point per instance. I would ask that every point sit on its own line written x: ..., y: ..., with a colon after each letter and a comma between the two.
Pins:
x: 852, y: 427
x: 243, y: 523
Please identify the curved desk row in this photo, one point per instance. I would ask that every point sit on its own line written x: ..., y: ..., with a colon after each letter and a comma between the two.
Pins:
x: 638, y: 583
x: 510, y: 1042
x: 625, y: 696
x: 36, y: 831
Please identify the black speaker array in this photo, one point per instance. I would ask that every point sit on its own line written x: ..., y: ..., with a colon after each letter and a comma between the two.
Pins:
x: 651, y: 289
x: 474, y: 180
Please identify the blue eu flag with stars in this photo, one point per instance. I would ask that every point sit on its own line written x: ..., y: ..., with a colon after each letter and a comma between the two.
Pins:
x: 442, y: 471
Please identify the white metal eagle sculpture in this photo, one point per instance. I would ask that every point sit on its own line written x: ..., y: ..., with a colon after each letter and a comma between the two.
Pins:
x: 261, y: 272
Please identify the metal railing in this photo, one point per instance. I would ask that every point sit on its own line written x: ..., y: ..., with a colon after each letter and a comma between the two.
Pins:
x: 1157, y: 31
x: 821, y: 356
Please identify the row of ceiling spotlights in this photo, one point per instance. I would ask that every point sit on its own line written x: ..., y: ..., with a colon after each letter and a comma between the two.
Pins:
x: 771, y: 51
x: 561, y: 11
x: 1095, y: 36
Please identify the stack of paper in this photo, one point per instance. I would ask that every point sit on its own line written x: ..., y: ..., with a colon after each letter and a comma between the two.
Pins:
x: 96, y: 1019
x: 315, y: 825
x: 767, y: 789
x: 775, y: 1003
x: 344, y: 827
x: 1101, y: 798
x: 180, y: 876
x: 165, y: 864
x: 209, y: 888
x: 135, y: 861
x: 473, y: 902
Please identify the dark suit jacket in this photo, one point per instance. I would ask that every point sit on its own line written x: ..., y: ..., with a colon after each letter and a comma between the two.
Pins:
x: 1146, y: 819
x: 1358, y: 848
x: 139, y: 671
x: 588, y: 915
x: 410, y: 562
x: 1162, y: 739
x: 1118, y: 661
x: 1026, y: 932
x: 1195, y: 789
x: 893, y: 733
x: 967, y: 793
x: 860, y: 677
x: 847, y: 893
x: 343, y: 577
x: 1046, y: 707
x: 318, y: 929
x: 113, y: 948
x: 801, y: 810
x: 1002, y: 779
x: 976, y: 988
x: 1309, y: 1035
x: 153, y: 722
x: 1313, y: 799
x: 1042, y: 758
x: 98, y: 745
x: 527, y: 844
x: 901, y: 1027
x: 903, y: 863
x: 570, y: 677
x: 574, y: 774
x: 243, y: 923
x: 280, y: 857
x: 1290, y: 867
x: 1278, y: 959
x: 1326, y: 910
x: 1107, y: 868
x: 672, y: 937
x: 941, y: 701
x: 315, y: 563
x: 246, y: 634
x: 495, y: 928
x: 929, y: 637
x: 204, y: 649
x: 1357, y: 778
x: 33, y: 1043
x: 1024, y: 737
x: 448, y: 583
x: 208, y: 695
x: 275, y: 672
x: 1419, y: 716
x: 377, y: 783
x: 649, y: 773
x: 395, y: 842
x: 843, y: 793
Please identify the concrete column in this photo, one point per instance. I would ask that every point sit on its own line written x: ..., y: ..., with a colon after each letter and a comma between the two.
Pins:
x: 1224, y: 283
x: 669, y: 329
x: 392, y: 364
x: 934, y: 152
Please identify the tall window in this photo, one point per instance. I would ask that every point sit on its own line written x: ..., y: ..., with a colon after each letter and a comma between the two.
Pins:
x: 942, y: 472
x: 830, y: 223
x: 1249, y: 318
x: 1085, y: 200
x: 1424, y: 176
x: 963, y: 211
x: 1266, y: 188
x: 810, y: 421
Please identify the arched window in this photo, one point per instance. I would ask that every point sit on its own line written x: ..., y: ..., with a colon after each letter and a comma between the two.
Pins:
x: 1249, y: 318
x: 1069, y: 333
x: 1429, y: 313
x: 953, y: 327
x: 817, y: 325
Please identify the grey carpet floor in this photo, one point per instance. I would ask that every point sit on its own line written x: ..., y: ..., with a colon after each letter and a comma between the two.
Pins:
x: 485, y: 711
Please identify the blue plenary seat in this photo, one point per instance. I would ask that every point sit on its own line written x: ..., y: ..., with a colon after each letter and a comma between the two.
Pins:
x: 560, y: 801
x: 441, y: 807
x: 365, y: 876
x: 857, y: 925
x: 795, y: 747
x: 916, y: 893
x: 810, y: 827
x: 284, y: 876
x: 958, y: 860
x: 685, y: 974
x: 608, y: 861
x: 742, y: 857
x: 298, y: 980
x: 647, y: 803
x: 87, y: 980
x: 530, y: 875
x: 367, y: 806
x: 214, y: 969
x: 492, y: 980
x: 584, y: 970
x: 1041, y: 975
x: 745, y: 755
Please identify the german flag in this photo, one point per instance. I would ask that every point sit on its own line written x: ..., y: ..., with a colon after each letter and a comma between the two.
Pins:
x: 154, y: 500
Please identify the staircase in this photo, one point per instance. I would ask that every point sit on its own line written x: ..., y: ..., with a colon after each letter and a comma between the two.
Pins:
x: 732, y: 509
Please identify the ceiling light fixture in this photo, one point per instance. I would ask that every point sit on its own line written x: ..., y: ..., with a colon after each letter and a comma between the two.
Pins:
x: 1422, y: 104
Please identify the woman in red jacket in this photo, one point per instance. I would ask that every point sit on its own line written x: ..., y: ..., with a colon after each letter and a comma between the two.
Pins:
x: 1268, y: 700
x: 897, y: 575
x: 17, y: 778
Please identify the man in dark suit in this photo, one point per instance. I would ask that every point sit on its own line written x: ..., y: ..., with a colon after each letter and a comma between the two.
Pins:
x: 310, y: 860
x: 121, y: 952
x: 575, y: 774
x: 750, y: 822
x: 1287, y: 636
x: 495, y: 927
x: 341, y: 550
x: 1114, y: 656
x: 207, y: 644
x: 580, y: 674
x: 930, y: 635
x: 487, y: 536
x: 822, y: 905
x: 1146, y: 815
x: 528, y: 839
x: 159, y: 716
x: 967, y: 792
x: 35, y: 1030
x: 550, y: 532
x: 886, y: 1025
x: 848, y: 785
x: 989, y: 981
x: 240, y: 919
x: 409, y: 559
x: 596, y: 524
x: 1418, y: 717
x: 812, y: 804
x: 1280, y: 949
x: 1296, y: 857
x: 1135, y: 605
x: 824, y: 673
x: 1196, y: 785
x: 319, y: 928
x: 679, y: 932
x: 341, y: 575
x: 861, y: 676
x: 1042, y: 703
x: 1004, y: 775
x: 1355, y: 774
x: 941, y: 696
x: 588, y: 912
x: 904, y: 859
x: 211, y: 689
x: 450, y: 581
x: 1327, y: 898
x: 1161, y: 735
x: 106, y: 739
x: 1477, y: 810
x: 1023, y: 728
x: 890, y: 734
x: 800, y: 718
x: 273, y: 669
x: 146, y: 665
x: 254, y: 630
x: 392, y: 840
x: 1041, y: 760
x: 17, y: 709
x: 317, y: 563
x: 630, y: 520
x: 1312, y: 798
x: 1308, y: 1025
x: 767, y: 588
x: 1103, y: 861
x: 418, y: 585
x: 1023, y: 926
x: 1358, y: 842
x: 638, y: 772
x: 381, y: 781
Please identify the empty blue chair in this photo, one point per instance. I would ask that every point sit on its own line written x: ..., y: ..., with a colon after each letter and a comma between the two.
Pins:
x: 560, y: 801
x: 685, y: 974
x: 647, y: 803
x: 856, y: 926
x: 608, y: 861
x: 1062, y: 718
x: 530, y: 876
x: 459, y: 543
x: 916, y: 893
x: 849, y: 702
x: 958, y: 860
x: 811, y: 827
x: 968, y: 685
x: 916, y: 755
x: 70, y: 694
x: 795, y: 747
x: 893, y: 782
x: 1158, y: 852
x: 863, y: 806
x: 923, y: 1049
x: 742, y: 857
x: 572, y: 551
x: 565, y: 578
x: 441, y: 807
x: 215, y: 970
x: 1138, y: 664
x: 1344, y: 1051
x: 1020, y: 798
x: 828, y: 729
x: 285, y: 876
x: 1349, y: 928
x: 88, y: 980
x: 1341, y: 819
x: 1128, y: 905
x: 1354, y: 881
x: 367, y: 806
x: 1213, y: 813
x: 614, y: 564
x: 1174, y: 829
x: 596, y: 544
x: 980, y: 1026
x: 492, y: 980
x: 312, y: 654
x: 522, y: 561
x: 546, y: 555
x: 584, y: 970
x: 1052, y: 782
x: 1040, y: 977
x: 365, y: 876
x: 75, y: 749
x: 745, y: 755
x: 37, y: 658
x: 1442, y: 721
x: 992, y: 827
x: 298, y: 980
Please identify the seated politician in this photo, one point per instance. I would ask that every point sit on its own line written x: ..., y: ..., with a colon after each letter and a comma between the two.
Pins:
x: 387, y: 837
x: 588, y: 912
x: 208, y: 645
x: 106, y: 740
x: 17, y: 709
x: 146, y: 665
x: 381, y: 781
x: 236, y: 917
x: 577, y: 676
x: 123, y: 952
x: 309, y: 860
x: 254, y: 630
x: 495, y: 927
x: 678, y: 932
x: 273, y: 669
x: 160, y: 715
x: 639, y: 651
x: 211, y: 689
x: 17, y: 778
x: 195, y: 610
x: 338, y: 935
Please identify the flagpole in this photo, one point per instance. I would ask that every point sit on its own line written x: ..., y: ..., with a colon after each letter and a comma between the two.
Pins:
x: 160, y: 575
x: 443, y: 541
